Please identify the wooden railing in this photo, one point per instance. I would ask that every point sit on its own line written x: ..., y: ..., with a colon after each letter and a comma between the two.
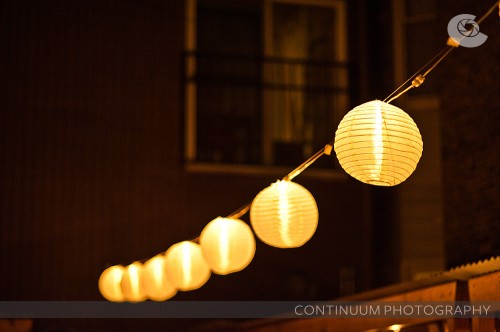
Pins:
x: 481, y: 288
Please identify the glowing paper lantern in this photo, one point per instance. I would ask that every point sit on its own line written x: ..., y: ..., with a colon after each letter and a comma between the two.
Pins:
x: 156, y: 284
x: 284, y: 215
x: 186, y: 266
x: 378, y: 143
x: 228, y: 245
x: 110, y: 283
x: 132, y: 284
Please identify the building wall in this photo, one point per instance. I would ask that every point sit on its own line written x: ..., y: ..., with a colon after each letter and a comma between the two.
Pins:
x: 91, y: 164
x: 90, y: 127
x: 470, y: 140
x: 419, y: 199
x: 92, y: 172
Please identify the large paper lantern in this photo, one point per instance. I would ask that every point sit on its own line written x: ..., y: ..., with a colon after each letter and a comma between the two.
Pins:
x: 378, y: 143
x: 186, y: 266
x: 284, y: 215
x: 132, y: 283
x: 110, y: 283
x: 155, y: 281
x: 228, y: 245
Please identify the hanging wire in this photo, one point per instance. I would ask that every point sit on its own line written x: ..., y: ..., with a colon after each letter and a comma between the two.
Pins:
x: 485, y: 15
x: 240, y: 212
x: 439, y: 55
x: 441, y: 58
x: 417, y: 78
x: 290, y: 176
x: 327, y: 149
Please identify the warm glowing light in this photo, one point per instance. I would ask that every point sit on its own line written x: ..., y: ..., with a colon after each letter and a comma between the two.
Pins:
x: 110, y: 283
x: 155, y: 281
x: 378, y: 143
x: 185, y: 266
x: 132, y: 284
x: 228, y: 245
x: 224, y: 246
x: 284, y: 215
x: 395, y: 327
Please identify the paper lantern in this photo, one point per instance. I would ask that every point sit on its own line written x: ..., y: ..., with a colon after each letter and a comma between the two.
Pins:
x: 284, y: 215
x: 132, y: 284
x: 186, y: 266
x: 228, y: 245
x: 378, y: 143
x: 110, y: 283
x: 155, y: 281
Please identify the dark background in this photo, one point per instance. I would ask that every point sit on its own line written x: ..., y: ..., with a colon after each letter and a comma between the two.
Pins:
x: 92, y: 171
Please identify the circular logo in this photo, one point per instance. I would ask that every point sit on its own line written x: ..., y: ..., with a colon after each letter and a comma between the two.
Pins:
x: 464, y: 31
x: 468, y: 28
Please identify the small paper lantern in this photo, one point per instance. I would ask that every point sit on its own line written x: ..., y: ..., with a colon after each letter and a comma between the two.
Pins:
x: 110, y: 283
x: 284, y: 215
x: 378, y: 143
x: 186, y: 266
x: 228, y: 245
x: 132, y: 284
x: 155, y: 281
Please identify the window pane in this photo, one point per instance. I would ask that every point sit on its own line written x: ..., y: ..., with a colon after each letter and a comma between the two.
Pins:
x: 228, y: 80
x: 274, y: 108
x: 304, y: 111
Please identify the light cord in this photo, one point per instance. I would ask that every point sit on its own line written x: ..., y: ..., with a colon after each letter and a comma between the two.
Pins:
x: 434, y: 61
x: 416, y: 80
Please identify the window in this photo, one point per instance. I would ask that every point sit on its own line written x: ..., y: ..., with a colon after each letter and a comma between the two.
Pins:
x: 418, y: 37
x: 266, y: 81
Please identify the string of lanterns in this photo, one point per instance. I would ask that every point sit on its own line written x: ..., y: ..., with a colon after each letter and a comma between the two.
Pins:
x: 376, y: 143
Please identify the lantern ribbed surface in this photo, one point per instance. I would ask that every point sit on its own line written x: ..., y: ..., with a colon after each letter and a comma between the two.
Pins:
x: 228, y: 245
x: 186, y: 267
x: 284, y: 215
x: 110, y: 283
x: 378, y: 143
x: 132, y: 283
x: 155, y: 281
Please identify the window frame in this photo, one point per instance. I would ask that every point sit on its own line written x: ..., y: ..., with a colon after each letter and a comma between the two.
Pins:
x: 190, y: 91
